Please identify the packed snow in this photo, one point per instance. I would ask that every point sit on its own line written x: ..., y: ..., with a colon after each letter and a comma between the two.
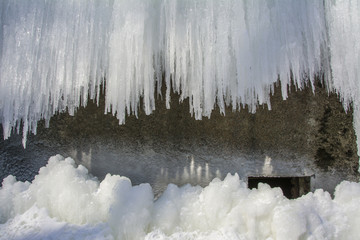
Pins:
x: 65, y: 202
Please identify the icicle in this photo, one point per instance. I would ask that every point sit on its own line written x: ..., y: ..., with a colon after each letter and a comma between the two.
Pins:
x: 343, y: 19
x: 54, y: 54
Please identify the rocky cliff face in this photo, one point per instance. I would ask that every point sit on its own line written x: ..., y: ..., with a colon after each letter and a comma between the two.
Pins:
x: 309, y: 133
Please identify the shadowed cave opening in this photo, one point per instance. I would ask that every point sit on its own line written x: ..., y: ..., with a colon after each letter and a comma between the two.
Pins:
x: 292, y: 187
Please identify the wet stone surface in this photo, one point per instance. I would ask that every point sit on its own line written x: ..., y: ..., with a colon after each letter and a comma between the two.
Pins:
x: 309, y: 133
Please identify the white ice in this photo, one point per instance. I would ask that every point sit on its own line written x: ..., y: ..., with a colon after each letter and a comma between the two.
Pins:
x: 65, y: 202
x: 56, y: 55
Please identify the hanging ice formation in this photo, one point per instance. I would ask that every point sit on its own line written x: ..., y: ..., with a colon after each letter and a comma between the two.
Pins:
x: 54, y: 55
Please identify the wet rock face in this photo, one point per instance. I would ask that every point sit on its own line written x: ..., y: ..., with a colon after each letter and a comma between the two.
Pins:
x: 335, y: 138
x: 309, y: 133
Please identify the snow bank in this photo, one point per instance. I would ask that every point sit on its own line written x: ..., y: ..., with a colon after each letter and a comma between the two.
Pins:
x: 64, y: 201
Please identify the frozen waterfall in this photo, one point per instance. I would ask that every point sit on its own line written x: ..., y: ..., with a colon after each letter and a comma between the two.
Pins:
x: 56, y: 55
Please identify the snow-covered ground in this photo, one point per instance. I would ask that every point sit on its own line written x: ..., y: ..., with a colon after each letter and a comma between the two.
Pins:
x: 65, y: 202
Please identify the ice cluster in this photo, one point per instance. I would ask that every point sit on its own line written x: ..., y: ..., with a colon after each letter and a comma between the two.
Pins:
x: 65, y: 202
x: 56, y: 55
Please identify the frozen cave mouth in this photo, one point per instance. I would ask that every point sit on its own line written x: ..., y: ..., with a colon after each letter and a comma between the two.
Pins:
x: 186, y: 78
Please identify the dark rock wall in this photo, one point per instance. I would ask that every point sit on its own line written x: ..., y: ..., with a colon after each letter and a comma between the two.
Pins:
x: 309, y: 133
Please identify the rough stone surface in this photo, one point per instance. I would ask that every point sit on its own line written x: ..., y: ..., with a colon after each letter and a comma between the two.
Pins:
x: 308, y: 134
